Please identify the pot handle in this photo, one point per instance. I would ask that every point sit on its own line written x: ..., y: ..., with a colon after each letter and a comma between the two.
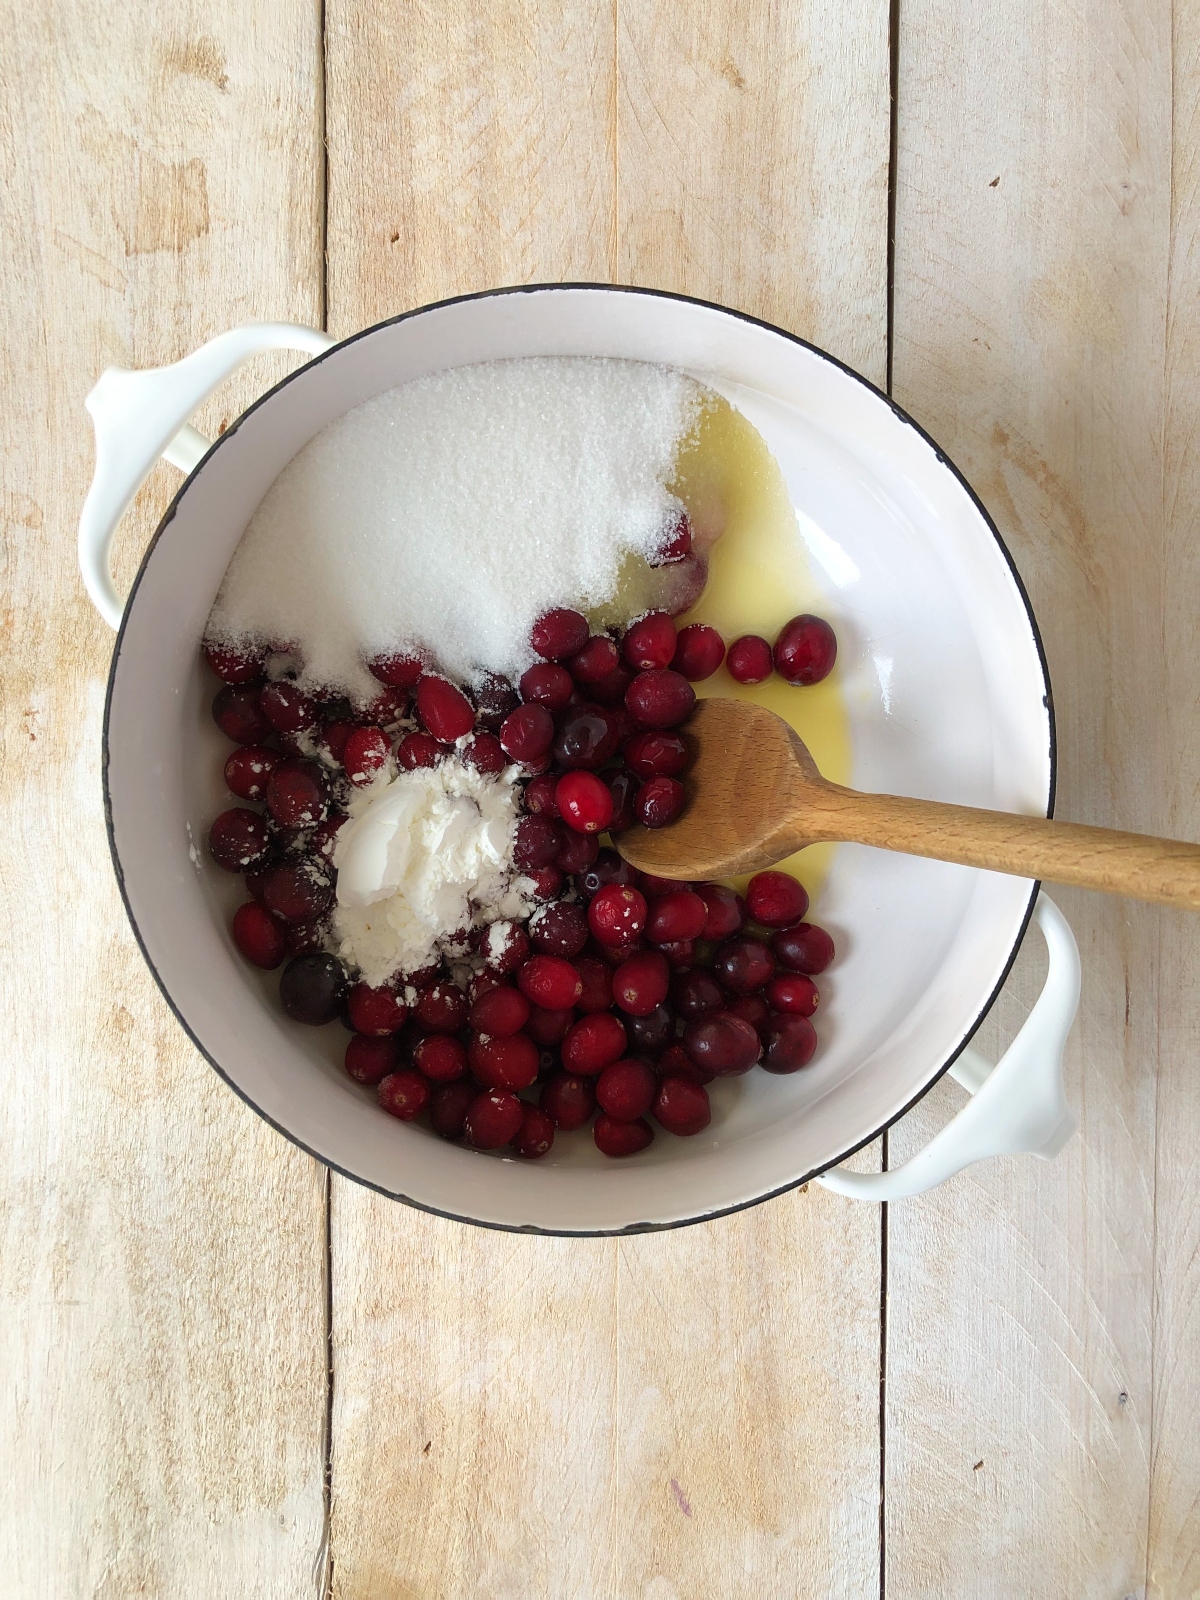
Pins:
x: 1018, y: 1106
x: 139, y: 416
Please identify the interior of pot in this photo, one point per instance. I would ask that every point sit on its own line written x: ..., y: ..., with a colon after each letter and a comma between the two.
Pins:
x: 946, y: 695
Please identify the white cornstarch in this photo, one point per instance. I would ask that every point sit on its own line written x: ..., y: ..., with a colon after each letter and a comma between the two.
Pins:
x: 424, y: 856
x: 446, y: 516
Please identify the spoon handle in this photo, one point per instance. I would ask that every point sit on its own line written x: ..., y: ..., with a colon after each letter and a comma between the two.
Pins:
x: 1132, y: 864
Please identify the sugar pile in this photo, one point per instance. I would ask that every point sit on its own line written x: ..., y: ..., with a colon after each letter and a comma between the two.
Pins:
x: 449, y: 514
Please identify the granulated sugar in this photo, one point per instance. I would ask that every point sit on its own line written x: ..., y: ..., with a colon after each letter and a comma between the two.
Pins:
x: 447, y: 515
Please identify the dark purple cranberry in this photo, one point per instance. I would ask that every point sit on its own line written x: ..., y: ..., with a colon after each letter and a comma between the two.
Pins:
x: 587, y: 739
x: 611, y: 690
x: 559, y: 929
x: 577, y: 851
x: 656, y: 754
x: 302, y: 937
x: 298, y: 893
x: 804, y: 948
x: 495, y: 698
x: 548, y: 685
x: 297, y: 793
x: 623, y: 787
x: 420, y: 750
x: 659, y: 801
x: 722, y: 1043
x: 248, y: 768
x: 258, y: 935
x: 448, y: 1108
x: 539, y: 795
x: 312, y: 988
x: 607, y: 868
x: 537, y: 842
x: 744, y: 965
x: 286, y: 708
x: 485, y: 753
x: 238, y: 714
x: 528, y: 732
x: 790, y: 1041
x: 726, y: 911
x: 659, y: 699
x: 239, y: 840
x: 650, y: 1035
x: 696, y: 993
x: 569, y: 1098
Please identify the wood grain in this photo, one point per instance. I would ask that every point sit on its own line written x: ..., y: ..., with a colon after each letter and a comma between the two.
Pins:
x: 162, y: 1253
x: 1031, y: 298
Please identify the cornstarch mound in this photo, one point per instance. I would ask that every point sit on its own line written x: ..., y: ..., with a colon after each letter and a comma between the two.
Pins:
x: 446, y: 516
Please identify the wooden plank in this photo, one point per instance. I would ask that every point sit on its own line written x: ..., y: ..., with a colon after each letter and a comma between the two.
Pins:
x: 674, y: 1414
x: 162, y: 1337
x: 1033, y: 228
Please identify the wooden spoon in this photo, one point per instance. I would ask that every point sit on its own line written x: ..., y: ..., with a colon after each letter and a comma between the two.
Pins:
x: 755, y: 796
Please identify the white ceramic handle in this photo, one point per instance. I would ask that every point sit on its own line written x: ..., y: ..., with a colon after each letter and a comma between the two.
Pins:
x: 1019, y: 1106
x: 139, y: 416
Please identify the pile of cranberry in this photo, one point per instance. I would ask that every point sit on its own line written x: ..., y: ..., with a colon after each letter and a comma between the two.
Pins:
x: 624, y: 994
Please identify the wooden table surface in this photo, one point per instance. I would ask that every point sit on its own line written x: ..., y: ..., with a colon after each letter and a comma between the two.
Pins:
x: 224, y: 1373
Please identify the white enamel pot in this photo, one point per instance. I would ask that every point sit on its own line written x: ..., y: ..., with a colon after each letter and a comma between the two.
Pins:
x: 948, y: 698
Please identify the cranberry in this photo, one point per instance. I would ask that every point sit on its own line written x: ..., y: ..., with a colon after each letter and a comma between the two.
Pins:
x: 587, y: 739
x: 375, y: 1011
x: 239, y: 840
x: 699, y: 652
x: 444, y: 710
x: 592, y: 1043
x: 676, y: 1063
x: 610, y: 690
x: 448, y: 1106
x: 596, y: 977
x: 424, y: 976
x: 696, y: 993
x: 404, y: 1094
x: 680, y: 953
x: 386, y: 709
x: 576, y: 851
x: 547, y: 1026
x: 790, y: 1041
x: 651, y: 1032
x: 312, y: 988
x: 400, y: 670
x: 722, y: 1043
x: 370, y: 1060
x: 442, y: 1008
x: 726, y: 911
x: 560, y: 929
x: 305, y: 937
x: 616, y: 914
x: 296, y: 793
x: 659, y: 801
x: 608, y: 868
x: 484, y: 752
x: 805, y: 650
x: 298, y: 892
x: 536, y: 842
x: 236, y: 711
x: 482, y: 982
x: 493, y: 1119
x: 287, y: 708
x: 547, y: 882
x: 684, y: 584
x: 616, y: 1138
x: 744, y: 965
x: 505, y: 947
x: 794, y: 992
x: 776, y: 899
x: 654, y: 754
x: 677, y: 540
x: 420, y: 750
x: 659, y: 699
x: 535, y: 1135
x: 290, y: 844
x: 247, y: 771
x: 804, y: 948
x: 640, y: 984
x: 597, y: 659
x: 558, y: 634
x: 258, y: 935
x: 550, y: 981
x: 622, y: 950
x: 539, y: 795
x: 548, y: 685
x: 510, y: 1062
x: 752, y: 1008
x: 500, y: 1012
x: 334, y: 736
x: 234, y: 663
x: 649, y: 642
x: 682, y: 1107
x: 495, y: 698
x: 653, y: 886
x: 441, y: 1057
x: 626, y: 1089
x: 679, y: 914
x: 748, y: 659
x: 584, y: 801
x: 366, y: 754
x: 322, y: 841
x: 528, y: 732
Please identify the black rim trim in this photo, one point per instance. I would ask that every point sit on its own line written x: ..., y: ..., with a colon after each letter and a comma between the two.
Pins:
x: 639, y: 1227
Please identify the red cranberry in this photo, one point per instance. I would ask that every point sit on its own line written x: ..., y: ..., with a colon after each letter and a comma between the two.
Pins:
x: 576, y: 851
x: 653, y: 887
x: 536, y: 842
x: 305, y: 937
x: 482, y: 982
x: 651, y: 1033
x: 680, y: 953
x: 696, y: 993
x: 548, y: 1026
x: 236, y: 711
x: 297, y: 795
x: 234, y: 663
x: 596, y: 977
x: 400, y: 670
x: 595, y: 661
x: 558, y: 634
x: 442, y: 1008
x: 500, y: 1012
x: 610, y: 691
x: 386, y: 709
x: 560, y: 929
x: 805, y: 650
x: 494, y: 699
x: 659, y: 699
x: 444, y: 710
x: 804, y: 948
x: 659, y: 801
x: 247, y: 771
x: 752, y: 1008
x: 370, y: 1060
x: 535, y: 1135
x: 504, y: 947
x: 616, y: 1138
x: 614, y: 954
x: 404, y: 1094
x: 744, y: 965
x: 239, y: 840
x: 550, y: 981
x: 448, y: 1106
x: 484, y: 752
x: 722, y: 1043
x: 776, y: 899
x: 441, y: 1057
x: 548, y: 685
x: 616, y: 914
x: 539, y: 795
x: 699, y: 652
x: 492, y: 1119
x: 676, y: 1063
x: 366, y: 754
x: 584, y: 801
x: 528, y: 732
x: 420, y: 750
x: 375, y: 1011
x: 682, y: 1107
x: 587, y: 739
x: 653, y: 754
x: 298, y: 892
x: 547, y: 882
x: 640, y: 984
x: 626, y: 1089
x: 726, y: 911
x: 677, y: 540
x: 592, y: 1043
x: 650, y: 642
x: 312, y: 988
x: 790, y: 1041
x: 258, y: 936
x: 749, y: 659
x: 569, y: 1099
x: 424, y: 976
x: 794, y: 992
x: 334, y: 735
x: 287, y: 708
x: 680, y: 914
x: 503, y: 1063
x: 608, y: 868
